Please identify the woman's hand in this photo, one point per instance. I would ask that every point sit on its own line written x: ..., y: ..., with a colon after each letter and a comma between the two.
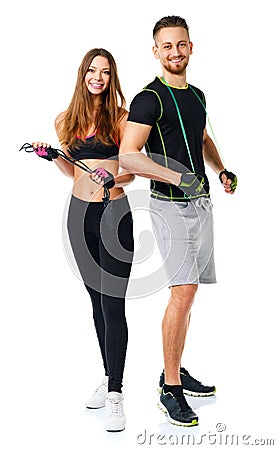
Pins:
x: 103, y: 177
x: 96, y: 178
x: 45, y: 151
x: 121, y: 180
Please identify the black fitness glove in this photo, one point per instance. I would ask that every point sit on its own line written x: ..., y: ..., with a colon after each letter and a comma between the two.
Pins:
x: 192, y: 185
x: 230, y: 176
x: 48, y: 153
x: 106, y: 177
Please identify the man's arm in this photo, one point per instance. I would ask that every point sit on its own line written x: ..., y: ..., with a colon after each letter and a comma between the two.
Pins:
x: 213, y: 160
x: 132, y: 160
x: 211, y: 155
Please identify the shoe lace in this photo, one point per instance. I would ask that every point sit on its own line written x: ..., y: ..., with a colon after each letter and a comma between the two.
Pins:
x: 187, y: 374
x: 100, y: 389
x: 182, y: 402
x: 114, y: 407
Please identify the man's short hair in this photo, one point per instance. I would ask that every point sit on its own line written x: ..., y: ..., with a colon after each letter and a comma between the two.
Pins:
x: 170, y: 22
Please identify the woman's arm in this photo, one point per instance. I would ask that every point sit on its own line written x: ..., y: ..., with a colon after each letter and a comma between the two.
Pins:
x: 65, y: 167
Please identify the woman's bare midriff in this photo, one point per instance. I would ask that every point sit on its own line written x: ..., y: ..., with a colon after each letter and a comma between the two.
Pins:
x: 86, y: 189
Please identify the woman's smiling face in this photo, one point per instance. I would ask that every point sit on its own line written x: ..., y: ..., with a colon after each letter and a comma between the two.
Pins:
x: 97, y: 78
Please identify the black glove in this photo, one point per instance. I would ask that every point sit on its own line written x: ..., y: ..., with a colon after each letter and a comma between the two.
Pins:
x: 48, y: 153
x: 192, y: 185
x: 106, y: 177
x: 230, y: 176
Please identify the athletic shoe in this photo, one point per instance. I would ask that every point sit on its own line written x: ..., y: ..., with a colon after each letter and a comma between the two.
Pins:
x: 177, y: 409
x: 115, y: 420
x: 97, y: 400
x: 190, y: 385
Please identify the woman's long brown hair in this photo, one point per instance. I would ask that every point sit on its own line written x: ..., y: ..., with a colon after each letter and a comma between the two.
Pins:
x: 78, y: 118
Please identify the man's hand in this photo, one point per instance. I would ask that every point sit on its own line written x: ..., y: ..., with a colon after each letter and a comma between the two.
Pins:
x: 192, y: 185
x: 229, y: 181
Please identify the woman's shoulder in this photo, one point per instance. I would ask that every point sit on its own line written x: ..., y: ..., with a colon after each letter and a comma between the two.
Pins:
x: 122, y: 119
x: 122, y: 116
x: 59, y: 120
x: 122, y: 112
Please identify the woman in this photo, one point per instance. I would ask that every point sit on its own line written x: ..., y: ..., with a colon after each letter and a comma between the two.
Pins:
x: 101, y: 236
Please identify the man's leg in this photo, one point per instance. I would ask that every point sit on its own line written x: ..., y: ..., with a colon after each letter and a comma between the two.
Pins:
x: 174, y: 329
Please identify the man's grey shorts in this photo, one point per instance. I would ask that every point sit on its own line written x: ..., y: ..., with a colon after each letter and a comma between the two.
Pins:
x: 184, y: 235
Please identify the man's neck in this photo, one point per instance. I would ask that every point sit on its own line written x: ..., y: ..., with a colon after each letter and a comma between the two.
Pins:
x: 175, y: 79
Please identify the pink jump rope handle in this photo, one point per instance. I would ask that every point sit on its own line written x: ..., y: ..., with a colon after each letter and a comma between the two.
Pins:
x: 41, y: 151
x: 101, y: 172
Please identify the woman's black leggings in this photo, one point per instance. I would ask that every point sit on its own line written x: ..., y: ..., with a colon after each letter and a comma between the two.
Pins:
x: 102, y: 243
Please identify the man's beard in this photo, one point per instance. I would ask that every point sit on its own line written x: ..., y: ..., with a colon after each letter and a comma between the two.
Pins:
x: 175, y: 70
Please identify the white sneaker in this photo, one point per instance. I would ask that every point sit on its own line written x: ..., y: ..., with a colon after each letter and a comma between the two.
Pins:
x: 115, y: 420
x: 98, y: 398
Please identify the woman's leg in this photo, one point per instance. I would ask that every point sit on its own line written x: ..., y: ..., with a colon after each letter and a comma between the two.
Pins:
x: 116, y: 337
x: 83, y: 227
x: 116, y: 253
x: 99, y: 323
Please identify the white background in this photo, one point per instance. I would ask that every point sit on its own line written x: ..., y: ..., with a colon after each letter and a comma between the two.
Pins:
x: 49, y: 355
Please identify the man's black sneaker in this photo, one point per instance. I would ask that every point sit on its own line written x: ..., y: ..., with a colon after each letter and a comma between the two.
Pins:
x: 174, y: 405
x: 190, y: 386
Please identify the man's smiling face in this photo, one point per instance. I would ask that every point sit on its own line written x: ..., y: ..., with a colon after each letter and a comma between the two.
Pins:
x: 173, y: 48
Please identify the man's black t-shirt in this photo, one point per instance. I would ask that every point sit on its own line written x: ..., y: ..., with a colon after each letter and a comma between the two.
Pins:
x: 166, y: 143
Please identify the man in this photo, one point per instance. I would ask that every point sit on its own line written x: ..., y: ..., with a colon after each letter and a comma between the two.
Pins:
x: 168, y: 117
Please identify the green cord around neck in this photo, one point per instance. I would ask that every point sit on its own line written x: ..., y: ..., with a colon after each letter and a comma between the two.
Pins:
x: 169, y: 87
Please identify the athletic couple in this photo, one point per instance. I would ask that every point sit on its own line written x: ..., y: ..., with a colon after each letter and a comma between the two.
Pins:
x: 168, y: 118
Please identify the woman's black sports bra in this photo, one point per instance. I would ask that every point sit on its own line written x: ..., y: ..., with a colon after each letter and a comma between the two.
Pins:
x: 94, y: 150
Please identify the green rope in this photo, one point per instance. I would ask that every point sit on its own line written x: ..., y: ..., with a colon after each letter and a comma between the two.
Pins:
x: 209, y: 122
x: 181, y: 124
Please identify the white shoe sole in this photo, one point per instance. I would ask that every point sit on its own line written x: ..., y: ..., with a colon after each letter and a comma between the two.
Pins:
x: 192, y: 394
x: 115, y: 428
x: 95, y: 407
x: 198, y: 394
x: 115, y: 431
